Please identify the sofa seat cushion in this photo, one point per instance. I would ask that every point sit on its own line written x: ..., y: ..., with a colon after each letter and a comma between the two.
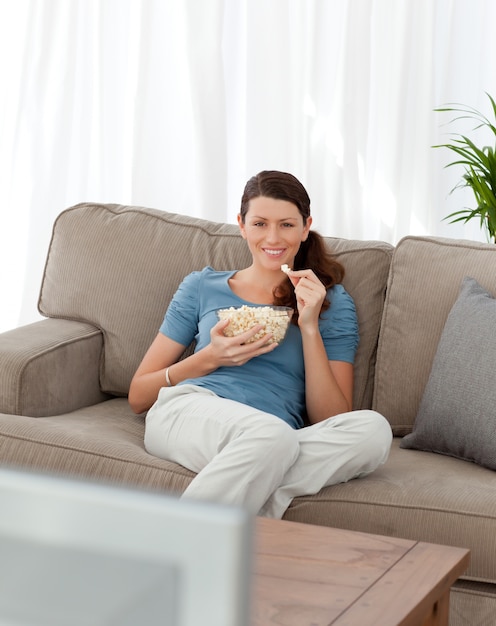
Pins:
x: 416, y: 495
x: 103, y: 441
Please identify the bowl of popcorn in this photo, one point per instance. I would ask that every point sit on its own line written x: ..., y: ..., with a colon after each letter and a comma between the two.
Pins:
x: 274, y: 319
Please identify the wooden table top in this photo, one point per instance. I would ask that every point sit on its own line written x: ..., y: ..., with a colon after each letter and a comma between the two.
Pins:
x: 307, y: 575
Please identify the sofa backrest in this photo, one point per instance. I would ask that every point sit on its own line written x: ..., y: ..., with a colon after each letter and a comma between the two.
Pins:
x: 425, y: 278
x: 117, y: 268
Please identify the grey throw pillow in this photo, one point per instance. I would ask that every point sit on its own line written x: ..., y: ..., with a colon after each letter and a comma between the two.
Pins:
x: 457, y: 414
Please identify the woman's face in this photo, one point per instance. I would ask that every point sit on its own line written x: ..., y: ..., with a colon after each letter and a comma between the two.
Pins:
x: 273, y: 230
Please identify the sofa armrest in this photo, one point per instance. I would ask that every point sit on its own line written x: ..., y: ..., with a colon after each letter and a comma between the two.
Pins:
x: 50, y: 367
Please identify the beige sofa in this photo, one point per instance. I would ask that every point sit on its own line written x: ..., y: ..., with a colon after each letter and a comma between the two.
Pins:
x: 110, y: 273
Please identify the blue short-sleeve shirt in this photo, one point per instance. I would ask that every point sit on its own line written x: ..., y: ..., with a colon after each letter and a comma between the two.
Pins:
x: 273, y: 382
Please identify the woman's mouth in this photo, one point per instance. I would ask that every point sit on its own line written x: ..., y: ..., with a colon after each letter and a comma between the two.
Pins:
x: 274, y: 253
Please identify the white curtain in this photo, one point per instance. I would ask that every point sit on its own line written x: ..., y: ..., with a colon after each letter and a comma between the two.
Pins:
x: 174, y: 104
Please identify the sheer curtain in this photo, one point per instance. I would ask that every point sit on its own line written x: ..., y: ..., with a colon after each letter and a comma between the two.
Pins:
x: 174, y: 104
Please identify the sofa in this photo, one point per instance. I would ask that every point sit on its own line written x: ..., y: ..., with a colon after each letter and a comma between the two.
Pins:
x: 109, y: 275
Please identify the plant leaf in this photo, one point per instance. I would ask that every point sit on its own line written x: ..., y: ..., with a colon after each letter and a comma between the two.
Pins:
x: 479, y: 164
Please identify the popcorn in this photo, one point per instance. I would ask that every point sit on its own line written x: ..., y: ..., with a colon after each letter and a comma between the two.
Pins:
x: 285, y: 268
x: 275, y: 319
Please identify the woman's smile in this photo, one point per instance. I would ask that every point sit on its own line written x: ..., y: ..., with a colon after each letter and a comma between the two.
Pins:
x: 274, y: 252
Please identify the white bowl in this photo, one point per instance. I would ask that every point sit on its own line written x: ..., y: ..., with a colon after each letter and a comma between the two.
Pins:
x: 275, y: 319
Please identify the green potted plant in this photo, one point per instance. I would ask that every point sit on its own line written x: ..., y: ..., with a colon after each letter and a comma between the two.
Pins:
x: 480, y: 168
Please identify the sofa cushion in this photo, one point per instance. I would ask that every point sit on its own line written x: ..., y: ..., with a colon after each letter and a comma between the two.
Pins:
x: 105, y: 442
x: 366, y: 265
x: 457, y: 412
x: 117, y: 268
x: 101, y: 442
x: 424, y: 282
x: 415, y: 495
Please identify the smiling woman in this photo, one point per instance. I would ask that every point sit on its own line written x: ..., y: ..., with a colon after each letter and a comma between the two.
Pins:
x: 234, y: 412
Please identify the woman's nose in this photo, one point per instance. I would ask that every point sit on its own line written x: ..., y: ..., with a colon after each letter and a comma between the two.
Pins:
x: 272, y: 234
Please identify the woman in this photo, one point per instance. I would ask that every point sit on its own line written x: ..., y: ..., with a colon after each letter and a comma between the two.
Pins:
x: 234, y: 412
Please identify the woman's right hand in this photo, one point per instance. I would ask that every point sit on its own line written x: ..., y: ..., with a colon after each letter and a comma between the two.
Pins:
x: 235, y: 351
x: 164, y: 352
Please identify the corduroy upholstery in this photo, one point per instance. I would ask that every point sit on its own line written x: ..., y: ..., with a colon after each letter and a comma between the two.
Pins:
x: 425, y: 278
x: 110, y: 273
x: 131, y: 261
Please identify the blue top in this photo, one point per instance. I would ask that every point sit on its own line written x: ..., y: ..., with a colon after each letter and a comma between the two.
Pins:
x: 273, y: 382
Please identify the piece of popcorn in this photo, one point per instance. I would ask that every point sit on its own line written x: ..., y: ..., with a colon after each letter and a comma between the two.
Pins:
x: 245, y: 317
x: 285, y: 268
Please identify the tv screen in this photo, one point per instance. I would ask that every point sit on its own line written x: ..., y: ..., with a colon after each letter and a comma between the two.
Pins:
x: 83, y: 554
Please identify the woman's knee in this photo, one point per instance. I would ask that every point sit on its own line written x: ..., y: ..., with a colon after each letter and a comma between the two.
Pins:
x: 276, y: 440
x: 377, y: 435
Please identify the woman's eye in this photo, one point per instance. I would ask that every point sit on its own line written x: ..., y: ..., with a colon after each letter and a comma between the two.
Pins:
x: 284, y: 224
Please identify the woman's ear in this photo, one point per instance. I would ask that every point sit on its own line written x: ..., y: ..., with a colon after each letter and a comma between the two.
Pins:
x: 306, y: 228
x: 241, y: 226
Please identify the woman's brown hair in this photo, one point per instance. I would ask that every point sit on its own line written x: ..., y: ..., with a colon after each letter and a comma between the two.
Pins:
x: 313, y: 252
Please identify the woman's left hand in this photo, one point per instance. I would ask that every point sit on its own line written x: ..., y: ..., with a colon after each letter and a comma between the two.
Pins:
x: 310, y: 294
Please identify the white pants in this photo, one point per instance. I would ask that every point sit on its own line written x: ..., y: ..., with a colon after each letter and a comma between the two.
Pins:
x: 245, y: 457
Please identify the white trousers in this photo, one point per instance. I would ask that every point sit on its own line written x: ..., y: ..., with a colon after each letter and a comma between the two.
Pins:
x: 245, y: 457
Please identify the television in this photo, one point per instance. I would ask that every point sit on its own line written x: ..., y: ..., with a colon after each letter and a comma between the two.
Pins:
x: 76, y: 553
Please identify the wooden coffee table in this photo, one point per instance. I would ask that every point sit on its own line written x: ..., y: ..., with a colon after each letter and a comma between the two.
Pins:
x: 307, y: 575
